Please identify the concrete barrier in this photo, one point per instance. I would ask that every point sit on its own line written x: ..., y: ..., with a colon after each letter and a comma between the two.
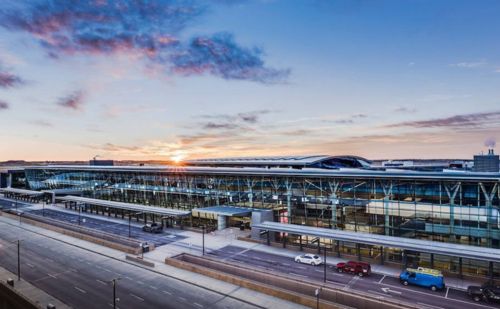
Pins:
x: 11, y: 299
x: 279, y: 285
x: 139, y: 261
x: 99, y: 241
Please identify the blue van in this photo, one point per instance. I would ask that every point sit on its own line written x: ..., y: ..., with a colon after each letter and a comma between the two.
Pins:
x: 426, y: 277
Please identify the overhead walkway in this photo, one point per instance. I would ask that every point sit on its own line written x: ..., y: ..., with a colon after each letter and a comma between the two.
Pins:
x: 126, y: 206
x: 21, y: 191
x: 489, y: 255
x: 221, y: 213
x: 22, y: 194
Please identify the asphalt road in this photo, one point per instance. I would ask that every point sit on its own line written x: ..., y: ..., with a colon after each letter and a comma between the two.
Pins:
x: 82, y: 279
x: 110, y: 227
x: 373, y: 284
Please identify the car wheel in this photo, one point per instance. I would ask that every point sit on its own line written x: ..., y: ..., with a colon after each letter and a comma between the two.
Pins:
x: 313, y: 263
x: 433, y: 288
x: 360, y: 274
x: 476, y: 298
x: 339, y: 270
x: 405, y: 282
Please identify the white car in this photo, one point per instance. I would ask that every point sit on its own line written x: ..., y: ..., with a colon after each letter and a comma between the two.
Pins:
x: 310, y: 259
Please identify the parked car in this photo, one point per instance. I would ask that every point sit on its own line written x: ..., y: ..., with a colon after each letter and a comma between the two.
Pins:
x: 358, y: 268
x: 425, y: 277
x: 487, y: 292
x: 310, y: 259
x: 153, y: 228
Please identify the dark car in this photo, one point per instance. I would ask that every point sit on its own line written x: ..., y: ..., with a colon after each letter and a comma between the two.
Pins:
x: 359, y: 268
x: 488, y: 292
x: 152, y: 228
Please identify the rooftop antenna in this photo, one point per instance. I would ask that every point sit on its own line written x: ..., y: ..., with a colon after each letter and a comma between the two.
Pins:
x: 95, y: 157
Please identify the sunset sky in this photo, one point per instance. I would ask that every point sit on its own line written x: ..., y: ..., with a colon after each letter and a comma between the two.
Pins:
x: 148, y: 80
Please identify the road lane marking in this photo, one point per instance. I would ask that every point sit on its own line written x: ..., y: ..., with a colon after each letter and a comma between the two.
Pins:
x: 52, y: 276
x: 101, y: 282
x: 167, y: 292
x: 438, y: 296
x: 137, y: 297
x: 198, y: 305
x: 378, y: 293
x: 30, y: 265
x: 350, y: 283
x: 81, y: 290
x: 299, y: 275
x: 153, y: 287
x: 181, y: 298
x: 447, y: 290
x: 430, y: 306
x: 381, y: 279
x: 140, y: 282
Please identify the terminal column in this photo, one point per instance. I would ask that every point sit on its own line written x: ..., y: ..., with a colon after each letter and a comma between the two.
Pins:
x: 221, y: 222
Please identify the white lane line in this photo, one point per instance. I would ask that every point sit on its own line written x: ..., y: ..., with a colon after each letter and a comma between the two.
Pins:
x: 153, y: 287
x: 137, y: 297
x: 167, y: 292
x: 381, y: 279
x: 198, y: 305
x: 447, y: 290
x: 30, y: 265
x: 52, y: 276
x: 101, y: 282
x: 298, y: 275
x: 379, y: 293
x: 140, y: 282
x: 286, y: 264
x: 181, y: 298
x: 430, y: 306
x: 335, y: 283
x: 81, y: 290
x: 111, y: 305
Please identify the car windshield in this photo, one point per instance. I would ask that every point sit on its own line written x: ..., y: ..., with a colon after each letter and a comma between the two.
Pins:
x: 316, y: 257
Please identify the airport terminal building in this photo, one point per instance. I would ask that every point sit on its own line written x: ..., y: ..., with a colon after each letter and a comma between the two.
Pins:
x: 337, y: 193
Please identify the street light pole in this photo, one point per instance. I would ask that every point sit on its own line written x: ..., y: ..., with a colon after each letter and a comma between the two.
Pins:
x: 129, y: 221
x: 114, y: 293
x: 324, y: 264
x: 203, y: 239
x: 317, y: 292
x: 18, y: 260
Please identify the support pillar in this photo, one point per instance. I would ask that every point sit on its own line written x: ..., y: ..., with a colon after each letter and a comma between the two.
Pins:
x: 268, y: 238
x: 381, y: 255
x: 358, y: 251
x: 300, y: 243
x: 432, y: 260
x: 405, y: 259
x: 284, y: 241
x: 490, y: 270
x: 221, y: 222
x: 460, y: 270
x: 338, y: 248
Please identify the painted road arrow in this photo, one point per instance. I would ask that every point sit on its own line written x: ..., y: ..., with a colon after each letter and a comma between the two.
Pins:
x: 387, y: 291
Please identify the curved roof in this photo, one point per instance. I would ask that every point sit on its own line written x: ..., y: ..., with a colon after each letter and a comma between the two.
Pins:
x: 319, y: 161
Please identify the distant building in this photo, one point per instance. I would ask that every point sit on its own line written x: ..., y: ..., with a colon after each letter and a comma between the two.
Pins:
x: 487, y: 163
x: 95, y: 162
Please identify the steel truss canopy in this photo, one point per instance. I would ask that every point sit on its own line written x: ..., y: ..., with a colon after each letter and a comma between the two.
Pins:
x: 225, y: 211
x: 21, y: 191
x: 126, y: 206
x: 419, y: 245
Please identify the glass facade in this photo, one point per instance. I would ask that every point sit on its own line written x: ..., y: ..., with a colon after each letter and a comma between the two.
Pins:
x: 447, y: 209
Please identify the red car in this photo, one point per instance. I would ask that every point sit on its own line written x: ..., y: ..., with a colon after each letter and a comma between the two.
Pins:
x: 359, y: 268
